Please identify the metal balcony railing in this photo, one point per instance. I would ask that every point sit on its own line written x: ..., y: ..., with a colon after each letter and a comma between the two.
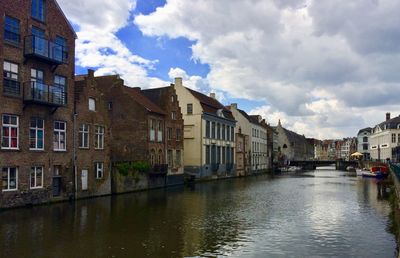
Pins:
x: 11, y: 87
x: 40, y: 93
x: 45, y: 50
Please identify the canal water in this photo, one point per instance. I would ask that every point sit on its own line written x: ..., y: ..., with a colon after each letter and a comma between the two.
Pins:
x: 322, y: 213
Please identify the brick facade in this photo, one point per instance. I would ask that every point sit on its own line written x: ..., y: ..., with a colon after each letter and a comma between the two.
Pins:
x: 28, y: 100
x: 92, y: 138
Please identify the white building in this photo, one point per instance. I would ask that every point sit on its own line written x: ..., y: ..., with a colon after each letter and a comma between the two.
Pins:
x: 363, y: 138
x: 385, y: 139
x: 259, y: 148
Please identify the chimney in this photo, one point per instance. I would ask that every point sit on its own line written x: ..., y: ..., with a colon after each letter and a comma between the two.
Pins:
x: 234, y: 105
x: 387, y: 116
x: 212, y: 95
x: 178, y: 82
x: 91, y: 73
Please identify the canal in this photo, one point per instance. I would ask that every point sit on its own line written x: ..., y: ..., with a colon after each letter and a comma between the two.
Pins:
x: 315, y: 214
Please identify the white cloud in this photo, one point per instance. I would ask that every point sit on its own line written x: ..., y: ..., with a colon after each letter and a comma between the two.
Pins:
x: 99, y: 47
x: 328, y: 68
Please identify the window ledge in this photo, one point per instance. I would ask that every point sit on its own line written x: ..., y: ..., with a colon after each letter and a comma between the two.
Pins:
x: 36, y: 188
x: 60, y: 150
x: 10, y: 190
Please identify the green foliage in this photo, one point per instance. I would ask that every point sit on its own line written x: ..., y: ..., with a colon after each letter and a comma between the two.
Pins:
x: 125, y: 168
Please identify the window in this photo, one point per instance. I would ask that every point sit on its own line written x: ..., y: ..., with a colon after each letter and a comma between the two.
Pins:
x: 10, y: 132
x: 36, y: 134
x: 189, y: 109
x: 365, y: 139
x: 173, y: 115
x: 110, y: 105
x: 84, y: 136
x: 223, y: 132
x: 178, y: 158
x: 39, y: 43
x: 99, y: 137
x: 11, y: 30
x: 10, y: 179
x: 36, y: 177
x: 208, y: 154
x: 60, y: 134
x: 213, y: 130
x: 152, y: 157
x: 218, y: 131
x: 227, y: 133
x: 11, y: 79
x: 160, y: 157
x: 207, y: 129
x: 160, y: 131
x: 232, y: 134
x: 152, y: 130
x: 170, y: 158
x: 38, y: 9
x: 178, y: 134
x: 223, y: 155
x: 99, y: 168
x: 60, y: 49
x: 398, y: 138
x: 169, y: 133
x: 393, y: 138
x: 172, y: 98
x: 365, y: 146
x: 92, y: 104
x: 58, y: 93
x: 218, y: 154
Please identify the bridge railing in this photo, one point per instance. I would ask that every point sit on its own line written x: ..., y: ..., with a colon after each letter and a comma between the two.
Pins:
x: 395, y: 167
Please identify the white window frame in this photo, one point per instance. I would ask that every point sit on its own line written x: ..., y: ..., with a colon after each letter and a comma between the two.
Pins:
x: 99, y: 135
x: 84, y: 134
x: 8, y: 179
x: 92, y: 104
x: 60, y: 132
x: 34, y: 170
x: 99, y: 168
x: 10, y: 127
x: 36, y: 129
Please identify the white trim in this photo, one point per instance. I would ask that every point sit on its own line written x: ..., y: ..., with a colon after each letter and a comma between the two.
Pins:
x: 30, y: 177
x: 59, y: 131
x: 36, y: 135
x: 9, y: 126
x: 8, y: 179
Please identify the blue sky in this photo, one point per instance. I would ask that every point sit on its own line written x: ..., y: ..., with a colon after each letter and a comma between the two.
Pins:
x: 291, y: 60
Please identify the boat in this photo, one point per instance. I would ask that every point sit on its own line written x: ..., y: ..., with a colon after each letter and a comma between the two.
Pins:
x: 376, y: 171
x: 368, y: 174
x: 359, y: 171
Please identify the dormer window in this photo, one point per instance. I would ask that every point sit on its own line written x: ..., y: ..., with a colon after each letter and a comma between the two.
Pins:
x: 38, y: 9
x: 220, y: 113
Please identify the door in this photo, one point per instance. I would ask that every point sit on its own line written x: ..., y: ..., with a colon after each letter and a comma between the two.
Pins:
x: 56, y: 186
x: 39, y: 91
x: 84, y: 179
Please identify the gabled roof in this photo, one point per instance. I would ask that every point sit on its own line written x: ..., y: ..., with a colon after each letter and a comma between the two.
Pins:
x: 245, y: 114
x: 294, y: 137
x: 66, y: 19
x: 254, y: 120
x: 211, y: 105
x: 156, y: 94
x: 140, y: 98
x: 368, y: 130
x: 393, y: 123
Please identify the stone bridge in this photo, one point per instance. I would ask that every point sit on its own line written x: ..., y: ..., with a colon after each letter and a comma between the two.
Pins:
x: 313, y: 164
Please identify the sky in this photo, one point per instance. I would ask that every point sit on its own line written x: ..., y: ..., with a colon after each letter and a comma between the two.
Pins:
x: 324, y: 68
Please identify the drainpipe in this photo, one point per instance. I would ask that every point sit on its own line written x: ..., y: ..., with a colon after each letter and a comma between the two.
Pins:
x: 74, y: 156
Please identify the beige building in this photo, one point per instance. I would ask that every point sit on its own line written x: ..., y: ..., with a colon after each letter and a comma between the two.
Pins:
x: 243, y: 132
x: 259, y: 150
x: 385, y: 139
x: 209, y: 134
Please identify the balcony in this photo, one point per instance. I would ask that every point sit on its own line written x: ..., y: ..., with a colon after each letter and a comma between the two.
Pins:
x: 43, y: 94
x: 11, y: 87
x: 159, y: 170
x: 45, y: 50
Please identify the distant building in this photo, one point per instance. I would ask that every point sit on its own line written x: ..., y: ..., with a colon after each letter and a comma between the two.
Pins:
x: 385, y: 140
x: 347, y: 147
x: 292, y: 146
x: 167, y: 99
x: 243, y: 132
x: 209, y: 134
x: 259, y: 157
x: 363, y: 139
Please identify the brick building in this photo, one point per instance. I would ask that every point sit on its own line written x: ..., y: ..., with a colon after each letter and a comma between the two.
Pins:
x: 137, y: 134
x: 167, y: 99
x: 92, y: 138
x: 37, y: 49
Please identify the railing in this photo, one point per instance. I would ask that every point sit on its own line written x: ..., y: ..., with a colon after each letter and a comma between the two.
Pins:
x: 11, y: 87
x: 45, y: 49
x: 159, y: 170
x: 41, y: 93
x: 396, y: 169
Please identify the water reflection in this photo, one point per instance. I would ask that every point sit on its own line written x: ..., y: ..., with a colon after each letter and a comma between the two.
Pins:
x: 319, y: 213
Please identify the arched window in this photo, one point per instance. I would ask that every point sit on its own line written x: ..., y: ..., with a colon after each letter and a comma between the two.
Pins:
x: 152, y: 157
x: 160, y: 157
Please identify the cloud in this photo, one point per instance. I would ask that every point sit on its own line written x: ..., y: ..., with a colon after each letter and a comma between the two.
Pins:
x: 319, y: 65
x: 97, y: 45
